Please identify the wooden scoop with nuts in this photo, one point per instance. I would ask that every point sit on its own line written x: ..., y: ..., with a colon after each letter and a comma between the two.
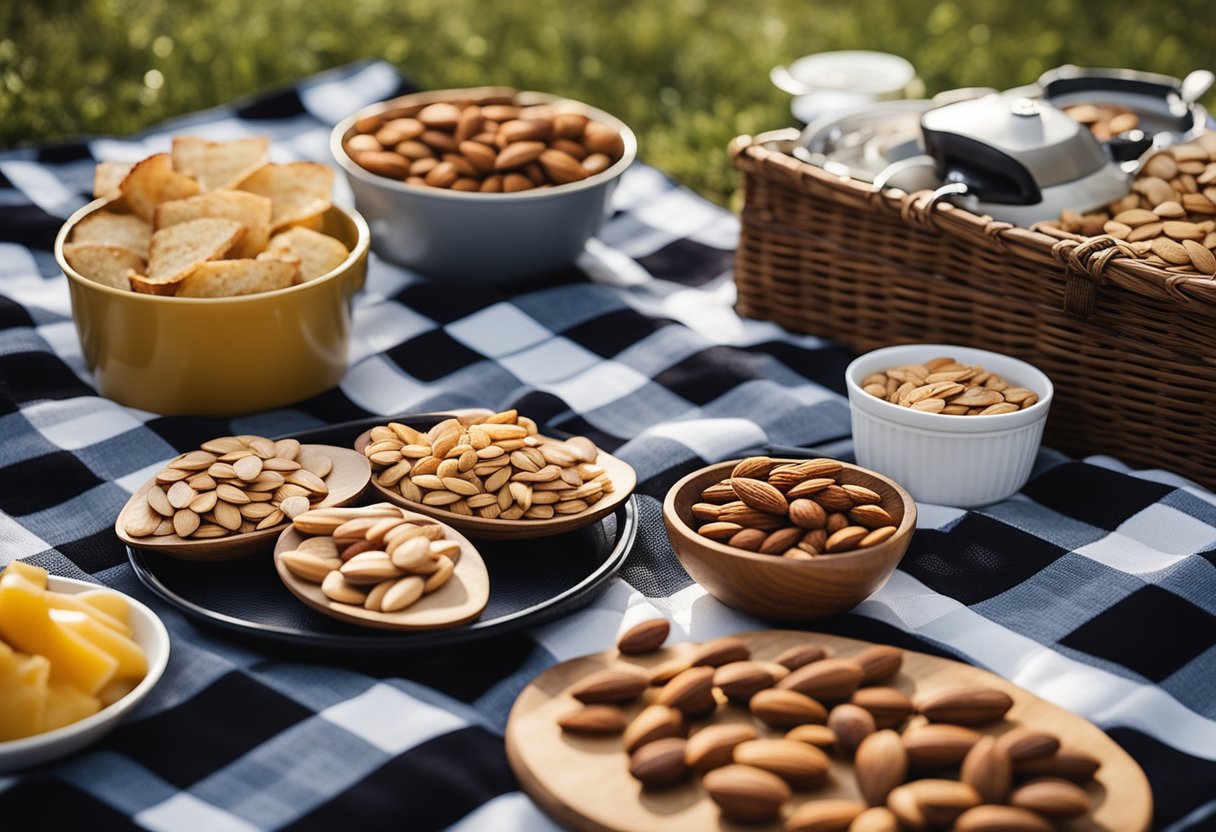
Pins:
x: 382, y: 566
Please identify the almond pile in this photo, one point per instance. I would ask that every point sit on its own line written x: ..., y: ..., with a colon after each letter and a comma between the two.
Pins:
x: 373, y: 557
x: 792, y: 509
x: 1105, y: 121
x: 231, y: 485
x: 946, y: 386
x: 497, y: 469
x: 1169, y: 219
x: 919, y: 763
x: 489, y: 145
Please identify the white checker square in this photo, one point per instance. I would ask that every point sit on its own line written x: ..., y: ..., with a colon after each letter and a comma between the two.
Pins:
x: 374, y: 385
x: 1168, y: 530
x: 600, y: 385
x: 553, y: 361
x: 16, y: 261
x: 184, y: 811
x: 62, y: 339
x: 40, y: 184
x: 498, y: 330
x: 16, y: 541
x: 610, y: 266
x: 933, y: 516
x: 712, y: 438
x: 332, y: 101
x: 1121, y: 552
x: 78, y: 423
x: 679, y: 213
x: 511, y: 812
x: 380, y: 327
x: 391, y: 720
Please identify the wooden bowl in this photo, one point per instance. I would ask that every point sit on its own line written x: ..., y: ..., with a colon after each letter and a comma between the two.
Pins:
x: 624, y: 480
x: 776, y: 588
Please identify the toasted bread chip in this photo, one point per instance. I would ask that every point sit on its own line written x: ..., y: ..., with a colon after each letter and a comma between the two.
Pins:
x: 178, y: 249
x: 318, y: 253
x: 108, y: 176
x: 126, y: 230
x: 299, y: 190
x: 152, y: 182
x: 145, y: 286
x: 218, y: 164
x: 105, y: 264
x: 229, y: 278
x: 250, y: 210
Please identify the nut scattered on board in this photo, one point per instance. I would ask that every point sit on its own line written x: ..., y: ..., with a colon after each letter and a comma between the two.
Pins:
x: 231, y: 485
x: 486, y: 145
x: 1169, y: 218
x: 497, y: 469
x: 373, y: 557
x: 951, y: 388
x: 751, y: 769
x: 208, y: 219
x: 795, y: 510
x: 644, y: 637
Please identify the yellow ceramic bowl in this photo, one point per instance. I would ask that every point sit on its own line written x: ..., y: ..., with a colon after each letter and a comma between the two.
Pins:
x: 219, y: 356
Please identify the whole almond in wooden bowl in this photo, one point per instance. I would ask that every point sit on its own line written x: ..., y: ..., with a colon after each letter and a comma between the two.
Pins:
x: 816, y: 574
x: 483, y: 185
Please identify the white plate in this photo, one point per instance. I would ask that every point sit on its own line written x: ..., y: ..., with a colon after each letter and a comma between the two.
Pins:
x: 150, y: 634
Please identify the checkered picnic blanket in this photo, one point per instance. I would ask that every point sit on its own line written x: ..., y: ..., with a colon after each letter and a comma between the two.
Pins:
x: 1095, y: 587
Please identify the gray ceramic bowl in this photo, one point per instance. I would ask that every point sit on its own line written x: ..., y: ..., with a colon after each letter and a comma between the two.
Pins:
x: 474, y: 237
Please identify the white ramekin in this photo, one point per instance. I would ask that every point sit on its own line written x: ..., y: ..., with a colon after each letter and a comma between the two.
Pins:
x: 949, y: 460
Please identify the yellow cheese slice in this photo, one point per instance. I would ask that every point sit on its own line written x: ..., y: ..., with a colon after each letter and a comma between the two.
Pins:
x: 25, y: 623
x: 35, y: 574
x: 130, y: 656
x: 65, y: 705
x: 23, y: 693
x: 59, y: 601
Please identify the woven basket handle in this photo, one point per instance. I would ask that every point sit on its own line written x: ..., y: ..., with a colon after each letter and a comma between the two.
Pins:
x: 1084, y: 271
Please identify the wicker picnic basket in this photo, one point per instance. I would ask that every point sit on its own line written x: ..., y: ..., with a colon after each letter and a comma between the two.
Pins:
x: 1128, y: 345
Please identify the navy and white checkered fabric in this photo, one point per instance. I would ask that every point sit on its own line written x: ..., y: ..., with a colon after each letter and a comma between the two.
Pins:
x: 1095, y: 587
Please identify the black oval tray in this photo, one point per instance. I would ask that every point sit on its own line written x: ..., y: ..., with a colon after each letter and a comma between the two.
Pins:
x: 531, y: 581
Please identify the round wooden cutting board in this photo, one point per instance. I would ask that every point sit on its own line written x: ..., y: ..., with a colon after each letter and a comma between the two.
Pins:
x: 584, y: 783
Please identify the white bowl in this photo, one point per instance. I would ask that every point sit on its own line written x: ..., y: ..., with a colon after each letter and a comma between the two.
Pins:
x: 150, y: 634
x: 949, y: 460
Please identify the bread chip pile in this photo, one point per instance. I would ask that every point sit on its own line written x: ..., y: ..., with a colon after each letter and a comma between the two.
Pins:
x: 207, y: 220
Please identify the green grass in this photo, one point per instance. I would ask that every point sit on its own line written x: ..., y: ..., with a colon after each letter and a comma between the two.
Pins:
x: 686, y: 74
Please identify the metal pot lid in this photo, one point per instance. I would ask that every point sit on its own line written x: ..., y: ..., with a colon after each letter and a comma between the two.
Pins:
x: 999, y: 134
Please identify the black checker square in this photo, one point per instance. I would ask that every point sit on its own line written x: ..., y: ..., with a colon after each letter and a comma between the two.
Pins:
x: 43, y: 802
x: 1094, y: 495
x: 711, y: 373
x: 609, y: 334
x: 433, y: 355
x: 95, y: 552
x: 443, y: 302
x: 185, y: 433
x: 440, y: 781
x: 187, y: 743
x: 1152, y: 632
x: 825, y: 366
x: 978, y: 559
x: 13, y: 314
x: 33, y: 376
x: 43, y: 482
x: 688, y: 262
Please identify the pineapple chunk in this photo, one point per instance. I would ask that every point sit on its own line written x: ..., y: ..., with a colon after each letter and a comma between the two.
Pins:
x: 34, y: 574
x: 131, y: 660
x: 65, y: 705
x: 23, y: 693
x: 25, y: 623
